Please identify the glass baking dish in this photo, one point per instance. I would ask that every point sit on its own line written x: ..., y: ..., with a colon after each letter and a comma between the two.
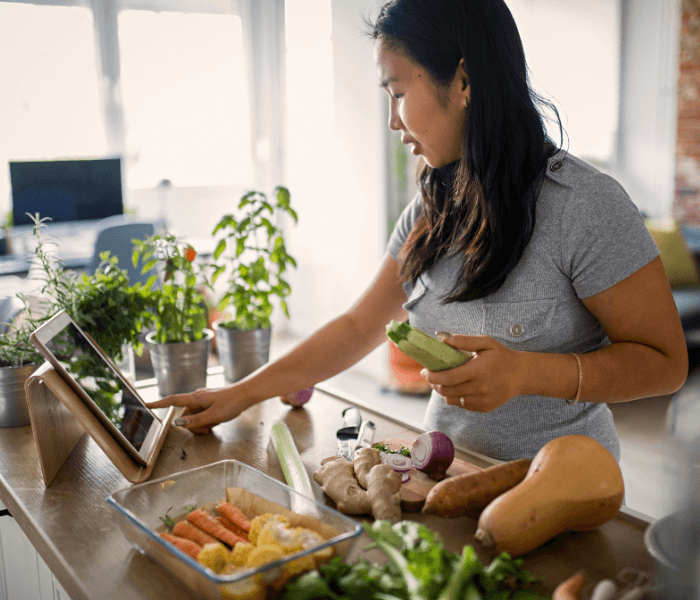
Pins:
x: 140, y: 508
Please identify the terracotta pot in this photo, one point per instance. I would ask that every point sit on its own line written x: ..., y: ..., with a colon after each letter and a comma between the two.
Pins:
x: 404, y: 374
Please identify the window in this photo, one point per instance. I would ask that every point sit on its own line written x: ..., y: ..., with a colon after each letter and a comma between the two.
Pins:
x: 165, y: 84
x: 50, y: 104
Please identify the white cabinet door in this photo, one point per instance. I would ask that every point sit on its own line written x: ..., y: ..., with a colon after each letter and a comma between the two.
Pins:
x: 23, y: 573
x: 19, y: 564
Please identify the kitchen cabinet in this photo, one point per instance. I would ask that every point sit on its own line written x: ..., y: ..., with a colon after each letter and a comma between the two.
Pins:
x: 23, y: 573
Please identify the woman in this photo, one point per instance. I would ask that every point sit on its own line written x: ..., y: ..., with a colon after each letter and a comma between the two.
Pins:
x: 521, y: 253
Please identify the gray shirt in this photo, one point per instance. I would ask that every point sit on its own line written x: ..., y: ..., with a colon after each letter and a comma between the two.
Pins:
x: 588, y: 236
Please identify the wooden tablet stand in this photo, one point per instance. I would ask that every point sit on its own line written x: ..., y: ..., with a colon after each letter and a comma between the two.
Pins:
x: 60, y: 418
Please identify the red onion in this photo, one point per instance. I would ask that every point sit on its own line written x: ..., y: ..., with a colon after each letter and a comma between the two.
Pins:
x: 398, y: 462
x: 405, y: 477
x: 433, y: 453
x: 298, y: 398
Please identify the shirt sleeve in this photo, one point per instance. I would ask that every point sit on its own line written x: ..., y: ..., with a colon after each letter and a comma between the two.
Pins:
x: 603, y: 238
x: 403, y: 227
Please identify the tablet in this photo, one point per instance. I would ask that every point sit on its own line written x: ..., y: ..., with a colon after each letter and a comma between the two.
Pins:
x: 100, y: 384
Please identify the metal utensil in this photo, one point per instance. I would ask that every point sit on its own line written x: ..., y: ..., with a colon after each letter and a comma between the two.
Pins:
x: 345, y: 436
x: 365, y: 437
x: 352, y: 417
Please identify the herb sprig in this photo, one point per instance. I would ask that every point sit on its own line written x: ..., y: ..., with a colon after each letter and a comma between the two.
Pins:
x: 403, y: 450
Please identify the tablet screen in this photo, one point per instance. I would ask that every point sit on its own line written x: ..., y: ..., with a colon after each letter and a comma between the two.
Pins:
x: 85, y: 365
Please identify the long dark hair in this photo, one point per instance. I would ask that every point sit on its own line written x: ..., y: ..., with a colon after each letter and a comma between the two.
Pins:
x: 485, y: 209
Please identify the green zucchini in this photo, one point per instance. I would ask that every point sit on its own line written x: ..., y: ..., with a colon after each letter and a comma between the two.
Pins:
x: 433, y: 354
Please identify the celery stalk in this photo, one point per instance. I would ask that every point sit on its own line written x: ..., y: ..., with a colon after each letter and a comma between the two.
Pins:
x: 293, y: 469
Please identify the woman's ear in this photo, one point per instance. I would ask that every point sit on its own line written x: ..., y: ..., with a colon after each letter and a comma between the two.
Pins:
x: 464, y: 79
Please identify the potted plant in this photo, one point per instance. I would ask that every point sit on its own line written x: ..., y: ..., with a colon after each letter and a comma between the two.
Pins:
x: 104, y: 304
x: 254, y: 258
x: 179, y: 345
x: 18, y: 360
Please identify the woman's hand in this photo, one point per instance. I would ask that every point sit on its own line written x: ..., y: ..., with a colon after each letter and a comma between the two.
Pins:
x: 204, y: 408
x: 483, y: 383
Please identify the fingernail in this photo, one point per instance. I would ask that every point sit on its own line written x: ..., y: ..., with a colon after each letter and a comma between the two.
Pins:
x: 180, y: 422
x: 424, y: 373
x: 443, y: 335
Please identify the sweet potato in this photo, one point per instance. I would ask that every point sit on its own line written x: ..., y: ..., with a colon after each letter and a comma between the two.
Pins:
x: 470, y: 492
x: 570, y: 588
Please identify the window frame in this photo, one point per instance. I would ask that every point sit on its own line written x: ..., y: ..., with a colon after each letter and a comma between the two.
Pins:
x: 263, y: 35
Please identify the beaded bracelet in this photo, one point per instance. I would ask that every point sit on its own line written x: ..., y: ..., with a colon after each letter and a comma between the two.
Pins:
x: 580, y: 377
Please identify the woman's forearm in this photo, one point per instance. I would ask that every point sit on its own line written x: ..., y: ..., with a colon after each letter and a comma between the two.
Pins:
x: 620, y: 372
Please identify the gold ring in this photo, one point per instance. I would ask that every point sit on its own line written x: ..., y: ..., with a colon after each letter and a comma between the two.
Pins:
x: 461, y: 401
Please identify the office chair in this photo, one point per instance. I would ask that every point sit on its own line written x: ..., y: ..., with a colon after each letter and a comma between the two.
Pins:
x: 118, y: 240
x: 10, y: 307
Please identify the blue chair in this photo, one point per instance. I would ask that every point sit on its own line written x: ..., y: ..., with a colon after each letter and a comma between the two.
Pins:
x: 118, y: 240
x: 10, y: 307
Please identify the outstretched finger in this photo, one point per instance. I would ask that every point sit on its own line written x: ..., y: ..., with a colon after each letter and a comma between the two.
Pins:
x: 174, y: 400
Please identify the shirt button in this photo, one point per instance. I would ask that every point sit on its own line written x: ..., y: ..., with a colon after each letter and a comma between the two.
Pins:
x: 516, y: 330
x: 557, y: 165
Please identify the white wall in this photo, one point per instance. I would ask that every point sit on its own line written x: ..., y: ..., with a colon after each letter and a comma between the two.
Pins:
x: 648, y: 103
x: 338, y: 189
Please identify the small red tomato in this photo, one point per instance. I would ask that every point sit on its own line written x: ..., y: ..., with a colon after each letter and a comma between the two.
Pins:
x: 190, y: 254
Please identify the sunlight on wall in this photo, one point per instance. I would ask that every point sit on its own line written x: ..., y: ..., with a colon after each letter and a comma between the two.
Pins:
x: 309, y: 153
x: 309, y: 89
x: 186, y: 100
x: 572, y: 49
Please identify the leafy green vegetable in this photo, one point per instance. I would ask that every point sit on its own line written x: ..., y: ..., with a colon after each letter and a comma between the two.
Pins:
x: 419, y: 567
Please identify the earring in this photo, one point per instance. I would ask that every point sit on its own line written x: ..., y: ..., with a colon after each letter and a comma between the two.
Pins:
x: 466, y: 103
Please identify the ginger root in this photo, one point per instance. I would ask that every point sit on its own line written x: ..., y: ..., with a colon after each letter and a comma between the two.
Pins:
x: 337, y: 480
x: 365, y: 459
x: 384, y: 492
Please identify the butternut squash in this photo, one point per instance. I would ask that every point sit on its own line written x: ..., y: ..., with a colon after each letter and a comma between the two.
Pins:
x: 573, y: 484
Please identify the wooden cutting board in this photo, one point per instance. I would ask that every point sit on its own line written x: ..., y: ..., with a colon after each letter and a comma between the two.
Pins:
x: 415, y: 490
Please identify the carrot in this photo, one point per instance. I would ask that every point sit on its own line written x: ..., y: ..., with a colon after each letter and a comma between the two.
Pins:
x: 469, y: 492
x: 570, y: 588
x: 185, y: 529
x: 187, y: 546
x: 206, y: 522
x: 235, y: 515
x: 233, y: 528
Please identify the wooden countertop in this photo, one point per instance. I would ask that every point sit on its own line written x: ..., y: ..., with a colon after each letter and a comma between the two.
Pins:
x: 75, y: 532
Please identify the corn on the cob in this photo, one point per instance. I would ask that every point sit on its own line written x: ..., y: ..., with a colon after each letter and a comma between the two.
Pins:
x: 433, y: 354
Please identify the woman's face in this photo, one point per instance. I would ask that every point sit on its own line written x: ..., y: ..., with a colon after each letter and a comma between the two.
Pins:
x: 432, y: 125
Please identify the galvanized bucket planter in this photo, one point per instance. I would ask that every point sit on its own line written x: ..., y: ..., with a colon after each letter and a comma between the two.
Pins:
x: 241, y: 352
x: 182, y: 366
x: 14, y: 411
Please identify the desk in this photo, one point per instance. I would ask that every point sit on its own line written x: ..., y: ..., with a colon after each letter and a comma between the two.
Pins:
x: 72, y: 528
x: 73, y: 246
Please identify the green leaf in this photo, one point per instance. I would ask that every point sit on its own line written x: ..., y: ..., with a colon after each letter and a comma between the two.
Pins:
x: 220, y: 247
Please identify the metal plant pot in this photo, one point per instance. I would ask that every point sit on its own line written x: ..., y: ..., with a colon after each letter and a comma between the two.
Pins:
x: 241, y: 352
x: 180, y: 367
x: 14, y: 411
